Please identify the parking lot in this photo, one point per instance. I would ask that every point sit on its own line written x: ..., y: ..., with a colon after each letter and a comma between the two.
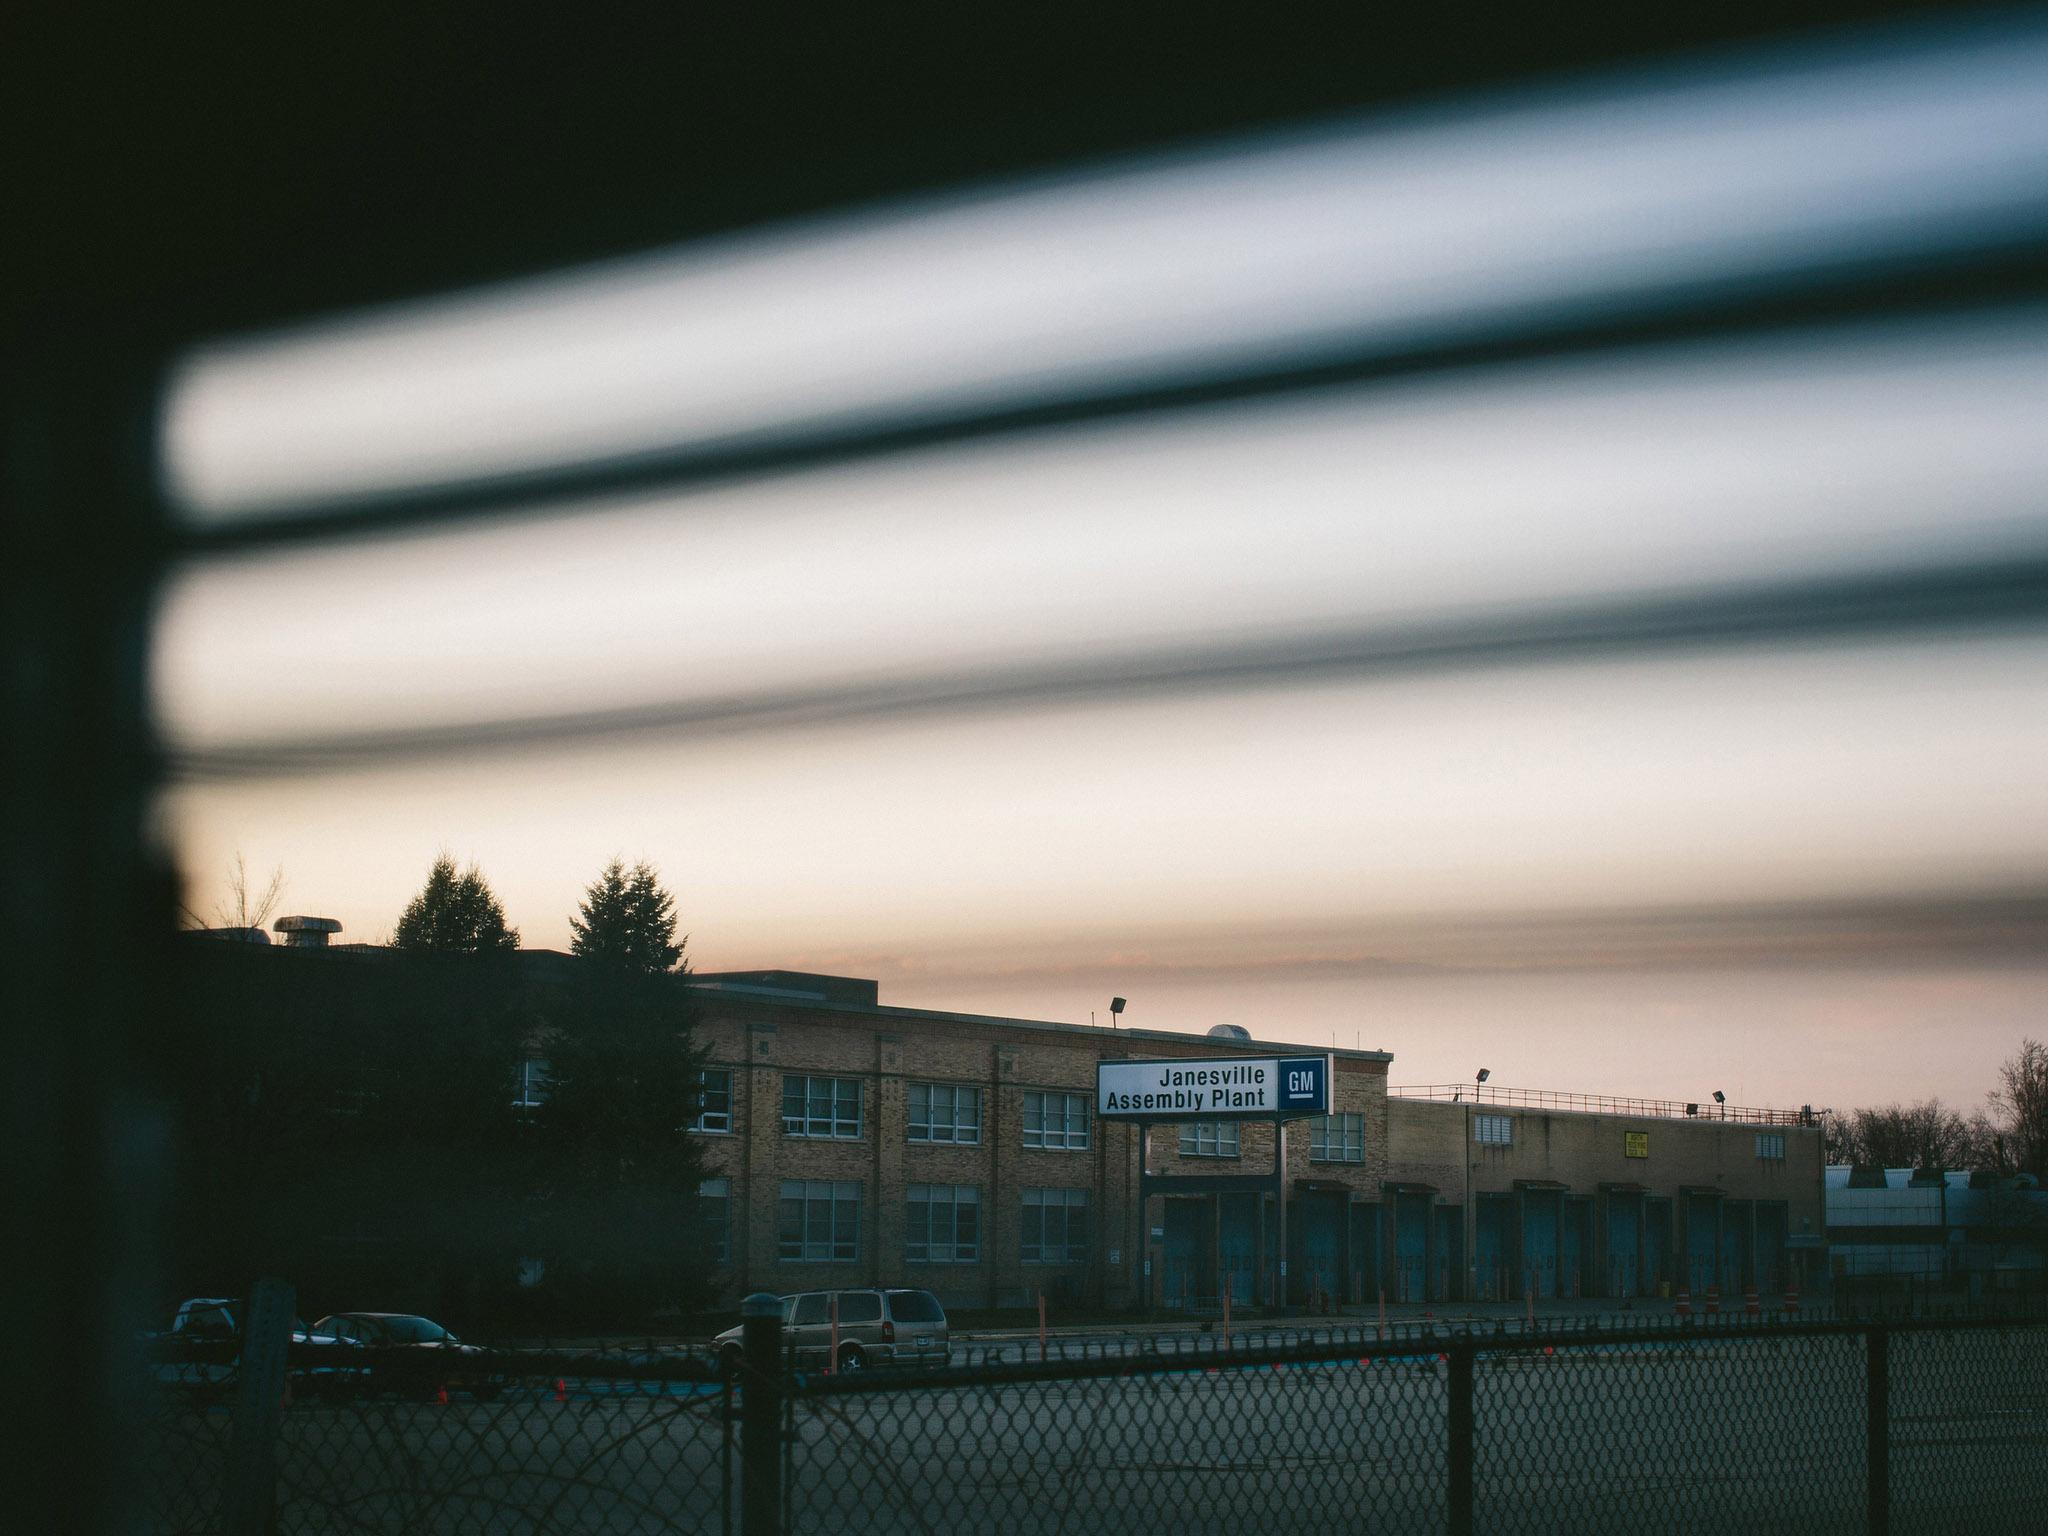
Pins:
x: 1762, y: 1434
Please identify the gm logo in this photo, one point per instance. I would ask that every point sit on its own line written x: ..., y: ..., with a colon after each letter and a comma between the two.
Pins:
x: 1305, y: 1084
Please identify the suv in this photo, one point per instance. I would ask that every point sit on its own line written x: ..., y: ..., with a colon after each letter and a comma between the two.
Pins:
x: 876, y: 1327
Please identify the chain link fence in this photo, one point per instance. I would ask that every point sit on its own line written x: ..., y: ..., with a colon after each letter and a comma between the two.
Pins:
x: 1812, y: 1426
x: 366, y: 1441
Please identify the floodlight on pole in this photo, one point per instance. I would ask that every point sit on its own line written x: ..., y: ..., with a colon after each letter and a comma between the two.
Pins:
x: 1116, y: 1006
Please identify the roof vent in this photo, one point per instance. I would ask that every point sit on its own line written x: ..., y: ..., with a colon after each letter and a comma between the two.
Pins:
x: 1230, y: 1032
x: 306, y: 932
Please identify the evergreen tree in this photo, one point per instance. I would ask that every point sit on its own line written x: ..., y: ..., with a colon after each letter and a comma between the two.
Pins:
x: 454, y: 914
x: 628, y: 922
x: 618, y: 1186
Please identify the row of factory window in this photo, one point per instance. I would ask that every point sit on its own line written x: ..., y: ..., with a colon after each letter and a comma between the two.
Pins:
x: 818, y: 1221
x: 951, y: 1114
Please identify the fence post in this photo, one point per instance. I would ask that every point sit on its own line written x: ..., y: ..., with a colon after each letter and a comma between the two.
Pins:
x: 1877, y: 1427
x: 761, y: 1416
x: 1459, y: 1460
x: 248, y: 1501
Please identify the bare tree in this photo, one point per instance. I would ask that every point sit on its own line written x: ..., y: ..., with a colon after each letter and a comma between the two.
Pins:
x: 1924, y: 1135
x: 2019, y: 1105
x: 243, y: 907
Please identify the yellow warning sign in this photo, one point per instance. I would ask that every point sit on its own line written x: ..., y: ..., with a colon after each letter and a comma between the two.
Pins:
x: 1636, y: 1143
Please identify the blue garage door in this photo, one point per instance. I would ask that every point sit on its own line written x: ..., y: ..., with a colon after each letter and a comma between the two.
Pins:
x: 1237, y: 1242
x: 1188, y: 1280
x: 1735, y: 1255
x: 1702, y: 1233
x: 1316, y: 1236
x: 1411, y: 1247
x: 1367, y: 1279
x: 1624, y: 1240
x: 1656, y: 1244
x: 1493, y: 1247
x: 1540, y: 1241
x: 1770, y: 1246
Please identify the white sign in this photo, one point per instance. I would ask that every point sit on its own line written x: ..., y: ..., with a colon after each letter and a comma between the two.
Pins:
x: 1232, y: 1087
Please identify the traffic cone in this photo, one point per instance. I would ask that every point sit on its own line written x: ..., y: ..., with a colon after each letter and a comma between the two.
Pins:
x: 1684, y: 1301
x: 1714, y: 1300
x: 561, y: 1390
x: 1751, y: 1307
x: 441, y: 1395
x: 1791, y: 1301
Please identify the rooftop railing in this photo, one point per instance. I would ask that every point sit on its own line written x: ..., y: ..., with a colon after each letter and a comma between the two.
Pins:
x: 1604, y: 1104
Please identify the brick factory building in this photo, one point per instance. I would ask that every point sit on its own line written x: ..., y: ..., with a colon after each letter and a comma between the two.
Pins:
x: 852, y: 1143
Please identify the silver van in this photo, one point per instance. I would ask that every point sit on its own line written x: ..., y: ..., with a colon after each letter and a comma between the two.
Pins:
x: 876, y: 1327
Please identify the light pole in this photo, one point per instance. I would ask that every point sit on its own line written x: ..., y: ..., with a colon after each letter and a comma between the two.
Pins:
x: 1136, y: 1272
x: 1471, y: 1221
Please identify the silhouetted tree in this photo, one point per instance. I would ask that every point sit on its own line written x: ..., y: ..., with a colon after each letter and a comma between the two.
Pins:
x: 628, y: 922
x: 454, y: 914
x: 2019, y: 1106
x: 1924, y: 1135
x: 616, y: 1211
x: 246, y: 908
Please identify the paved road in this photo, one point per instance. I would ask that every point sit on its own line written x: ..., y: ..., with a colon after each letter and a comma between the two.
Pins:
x: 1763, y: 1435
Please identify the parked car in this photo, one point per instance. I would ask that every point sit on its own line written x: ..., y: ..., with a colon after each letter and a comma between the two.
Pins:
x: 218, y: 1319
x: 876, y: 1328
x: 413, y: 1351
x: 207, y: 1323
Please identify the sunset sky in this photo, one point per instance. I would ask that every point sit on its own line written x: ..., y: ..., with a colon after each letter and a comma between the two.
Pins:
x: 1801, y: 873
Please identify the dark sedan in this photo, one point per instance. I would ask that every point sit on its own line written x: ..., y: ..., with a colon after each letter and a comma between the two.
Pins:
x: 414, y: 1351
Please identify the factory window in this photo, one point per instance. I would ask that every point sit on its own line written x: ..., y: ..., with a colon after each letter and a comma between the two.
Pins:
x: 821, y: 1106
x: 1493, y: 1130
x: 945, y: 1112
x: 943, y: 1225
x: 1056, y: 1120
x: 1336, y: 1139
x: 820, y: 1220
x: 1055, y: 1228
x: 714, y: 1107
x: 1209, y: 1138
x: 714, y: 1206
x: 1770, y: 1146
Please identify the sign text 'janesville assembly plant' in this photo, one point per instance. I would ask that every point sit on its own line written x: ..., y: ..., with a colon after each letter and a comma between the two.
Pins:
x: 1268, y: 1085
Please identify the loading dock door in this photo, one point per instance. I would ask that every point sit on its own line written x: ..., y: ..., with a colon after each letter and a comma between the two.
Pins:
x: 1735, y: 1247
x: 1411, y: 1247
x: 1540, y: 1242
x: 1447, y: 1280
x: 1702, y: 1239
x: 1367, y: 1279
x: 1624, y: 1243
x: 1656, y: 1243
x: 1493, y: 1248
x: 1315, y: 1233
x: 1189, y: 1280
x: 1770, y: 1246
x: 1237, y: 1245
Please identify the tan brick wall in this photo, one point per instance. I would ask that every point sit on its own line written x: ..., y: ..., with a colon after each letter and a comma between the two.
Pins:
x: 1585, y: 1151
x: 762, y: 1041
x: 1406, y: 1141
